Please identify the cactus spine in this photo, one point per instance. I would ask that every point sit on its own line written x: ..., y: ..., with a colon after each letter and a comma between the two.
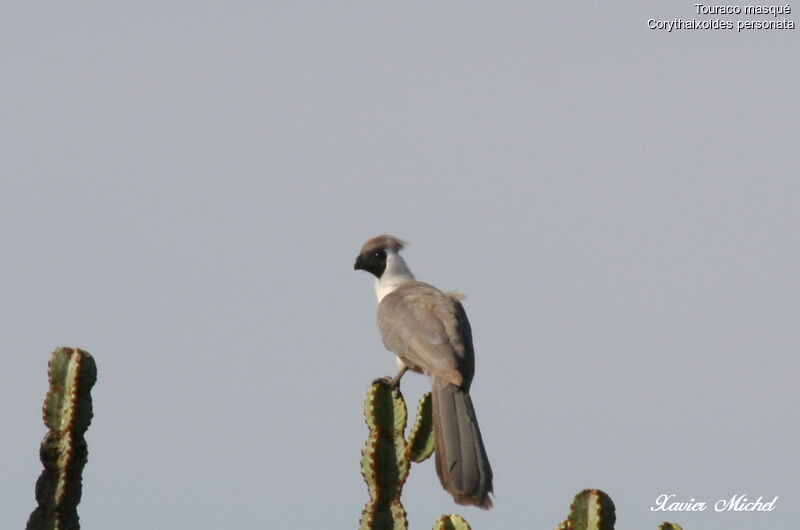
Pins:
x: 67, y: 412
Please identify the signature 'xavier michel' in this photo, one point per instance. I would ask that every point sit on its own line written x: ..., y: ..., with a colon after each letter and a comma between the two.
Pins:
x: 429, y: 332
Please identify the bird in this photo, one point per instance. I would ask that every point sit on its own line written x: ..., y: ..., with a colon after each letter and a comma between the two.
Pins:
x: 429, y: 333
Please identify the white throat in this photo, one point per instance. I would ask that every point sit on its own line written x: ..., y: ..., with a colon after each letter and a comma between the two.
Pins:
x: 396, y: 274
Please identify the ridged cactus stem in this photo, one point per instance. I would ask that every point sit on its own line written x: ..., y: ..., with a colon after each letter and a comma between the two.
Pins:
x: 67, y: 412
x: 591, y: 509
x: 451, y: 522
x: 387, y: 456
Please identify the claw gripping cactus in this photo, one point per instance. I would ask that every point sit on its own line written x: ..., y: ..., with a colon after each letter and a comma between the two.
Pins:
x: 67, y: 412
x: 387, y: 456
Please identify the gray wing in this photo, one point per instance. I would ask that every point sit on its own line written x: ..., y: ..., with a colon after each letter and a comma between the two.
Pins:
x: 429, y: 331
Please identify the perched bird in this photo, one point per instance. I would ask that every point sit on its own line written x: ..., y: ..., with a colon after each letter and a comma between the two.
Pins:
x: 428, y: 331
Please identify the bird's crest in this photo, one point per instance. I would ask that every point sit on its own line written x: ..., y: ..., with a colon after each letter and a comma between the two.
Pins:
x: 383, y: 241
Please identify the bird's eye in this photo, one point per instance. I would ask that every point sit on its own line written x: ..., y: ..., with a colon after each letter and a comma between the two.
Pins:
x: 377, y: 254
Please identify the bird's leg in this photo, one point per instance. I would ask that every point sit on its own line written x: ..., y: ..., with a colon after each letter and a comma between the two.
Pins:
x: 393, y: 382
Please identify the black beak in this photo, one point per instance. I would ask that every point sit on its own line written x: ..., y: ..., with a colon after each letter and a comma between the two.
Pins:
x: 359, y: 265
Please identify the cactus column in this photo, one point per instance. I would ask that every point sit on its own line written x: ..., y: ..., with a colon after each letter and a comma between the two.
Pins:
x: 592, y: 509
x: 67, y: 412
x: 387, y: 456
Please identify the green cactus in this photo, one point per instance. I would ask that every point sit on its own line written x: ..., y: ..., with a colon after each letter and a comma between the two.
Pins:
x: 451, y: 522
x: 67, y: 412
x: 420, y: 439
x: 592, y: 509
x: 387, y: 456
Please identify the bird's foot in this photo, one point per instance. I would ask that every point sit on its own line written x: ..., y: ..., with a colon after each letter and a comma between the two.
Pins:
x: 391, y: 382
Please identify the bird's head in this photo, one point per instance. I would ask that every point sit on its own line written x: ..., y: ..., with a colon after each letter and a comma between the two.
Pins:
x: 376, y: 253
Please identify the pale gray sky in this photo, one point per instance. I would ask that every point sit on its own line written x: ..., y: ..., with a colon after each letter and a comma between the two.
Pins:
x: 184, y: 187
